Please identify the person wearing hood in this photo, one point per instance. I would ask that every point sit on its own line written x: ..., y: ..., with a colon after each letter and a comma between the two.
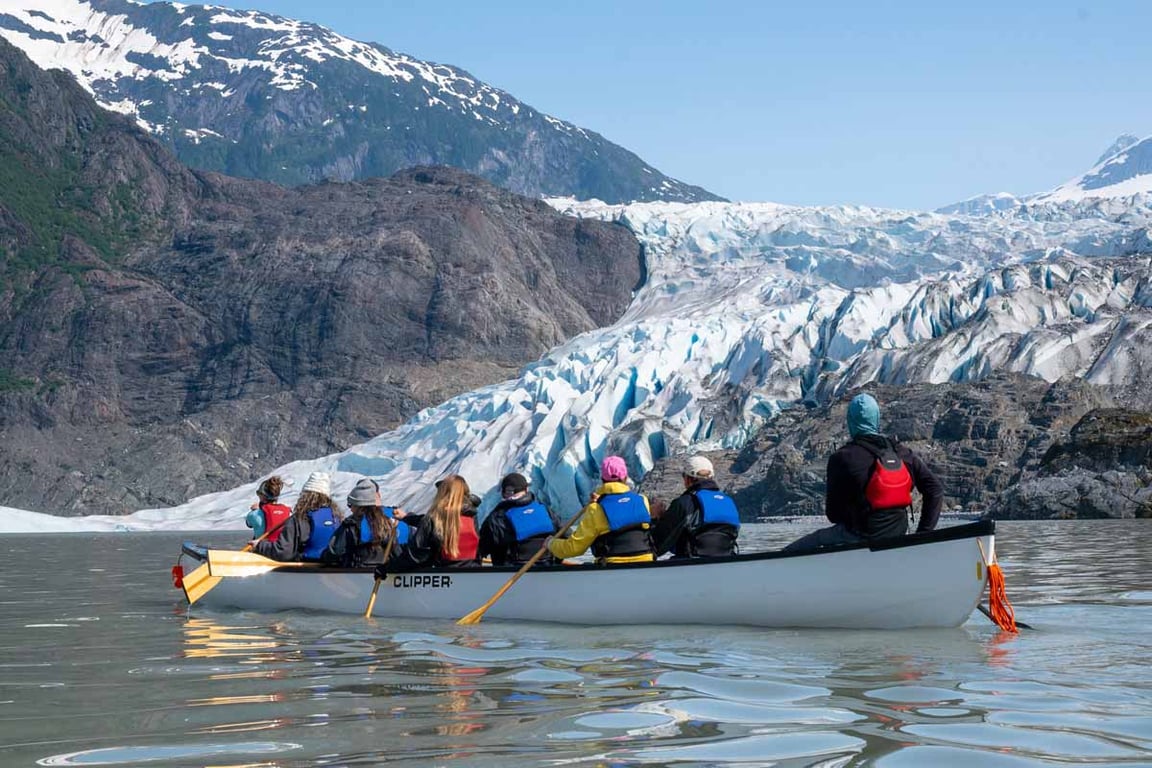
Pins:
x: 364, y: 536
x: 306, y: 534
x: 702, y: 521
x: 519, y: 525
x: 869, y: 485
x: 615, y: 522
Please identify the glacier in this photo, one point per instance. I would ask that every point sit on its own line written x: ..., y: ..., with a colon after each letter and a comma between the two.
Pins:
x: 751, y: 308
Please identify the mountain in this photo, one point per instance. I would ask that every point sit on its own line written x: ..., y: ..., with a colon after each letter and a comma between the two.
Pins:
x: 752, y: 313
x: 257, y: 95
x: 1124, y: 173
x: 165, y: 332
x: 982, y: 204
x: 1124, y: 170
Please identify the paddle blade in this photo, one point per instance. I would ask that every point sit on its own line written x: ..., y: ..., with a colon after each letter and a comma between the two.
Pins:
x: 199, y: 583
x: 178, y: 576
x: 223, y: 562
x: 473, y: 617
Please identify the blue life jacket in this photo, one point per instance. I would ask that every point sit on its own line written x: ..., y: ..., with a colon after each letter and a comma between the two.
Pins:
x: 628, y: 523
x: 402, y: 530
x: 625, y: 510
x: 717, y: 508
x: 530, y: 520
x: 323, y: 528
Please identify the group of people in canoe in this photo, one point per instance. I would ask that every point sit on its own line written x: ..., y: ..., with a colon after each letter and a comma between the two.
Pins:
x: 617, y: 524
x: 870, y: 482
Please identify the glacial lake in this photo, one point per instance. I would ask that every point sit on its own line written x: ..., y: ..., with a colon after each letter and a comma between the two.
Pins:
x: 102, y: 664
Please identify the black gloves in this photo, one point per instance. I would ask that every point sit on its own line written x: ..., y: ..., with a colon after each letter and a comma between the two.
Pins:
x: 381, y: 571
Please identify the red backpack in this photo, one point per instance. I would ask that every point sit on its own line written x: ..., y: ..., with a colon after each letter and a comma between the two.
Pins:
x: 890, y: 486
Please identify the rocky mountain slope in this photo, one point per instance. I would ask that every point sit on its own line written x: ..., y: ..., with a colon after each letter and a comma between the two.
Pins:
x: 166, y: 332
x: 257, y: 95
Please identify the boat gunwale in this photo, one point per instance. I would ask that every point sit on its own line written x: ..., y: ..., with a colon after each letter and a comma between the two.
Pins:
x: 952, y: 533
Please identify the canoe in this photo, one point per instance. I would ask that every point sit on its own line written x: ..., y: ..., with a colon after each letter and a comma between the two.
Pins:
x: 932, y: 579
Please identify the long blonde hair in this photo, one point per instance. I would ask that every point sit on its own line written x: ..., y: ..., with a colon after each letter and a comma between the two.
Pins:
x: 451, y: 494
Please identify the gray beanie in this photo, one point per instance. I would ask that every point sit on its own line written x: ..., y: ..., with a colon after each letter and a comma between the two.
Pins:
x: 364, y: 493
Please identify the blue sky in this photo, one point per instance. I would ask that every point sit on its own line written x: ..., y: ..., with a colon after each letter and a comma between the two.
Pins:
x: 880, y: 103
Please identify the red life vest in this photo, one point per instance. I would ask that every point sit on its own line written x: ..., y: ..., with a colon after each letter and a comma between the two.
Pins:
x: 890, y: 486
x: 467, y: 543
x: 274, y: 517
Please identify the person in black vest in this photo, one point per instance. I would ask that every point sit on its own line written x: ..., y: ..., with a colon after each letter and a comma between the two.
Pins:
x: 870, y: 481
x: 519, y: 525
x: 702, y: 521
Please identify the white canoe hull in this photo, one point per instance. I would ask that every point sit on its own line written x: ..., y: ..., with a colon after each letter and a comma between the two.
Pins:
x: 925, y: 580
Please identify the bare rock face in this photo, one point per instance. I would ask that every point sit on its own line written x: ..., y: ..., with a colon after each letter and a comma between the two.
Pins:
x: 168, y: 332
x: 1101, y: 469
x: 985, y: 440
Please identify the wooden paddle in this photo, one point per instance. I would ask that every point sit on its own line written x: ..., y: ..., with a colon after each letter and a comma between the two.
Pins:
x: 475, y: 616
x: 202, y: 580
x: 376, y: 586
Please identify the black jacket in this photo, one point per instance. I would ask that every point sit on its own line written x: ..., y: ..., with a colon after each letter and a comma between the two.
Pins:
x: 498, y: 537
x: 680, y: 530
x: 348, y: 551
x: 289, y: 545
x: 849, y: 470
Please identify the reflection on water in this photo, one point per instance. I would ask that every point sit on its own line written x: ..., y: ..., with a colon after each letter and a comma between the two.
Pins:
x: 100, y: 666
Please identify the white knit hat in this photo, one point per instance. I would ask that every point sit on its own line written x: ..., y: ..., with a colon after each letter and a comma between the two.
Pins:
x: 699, y: 467
x: 319, y: 482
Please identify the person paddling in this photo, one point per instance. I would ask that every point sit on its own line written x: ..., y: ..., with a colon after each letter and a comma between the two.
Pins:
x: 306, y: 534
x: 870, y: 482
x: 266, y: 514
x: 615, y: 522
x: 363, y: 536
x: 445, y: 537
x: 516, y: 529
x: 701, y: 522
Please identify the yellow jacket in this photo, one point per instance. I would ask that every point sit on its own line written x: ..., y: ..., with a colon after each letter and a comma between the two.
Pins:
x: 593, y: 525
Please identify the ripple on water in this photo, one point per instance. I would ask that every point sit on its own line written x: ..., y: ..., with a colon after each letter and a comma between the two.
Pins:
x: 1038, y: 742
x: 744, y: 713
x: 154, y: 753
x: 740, y: 689
x: 764, y: 749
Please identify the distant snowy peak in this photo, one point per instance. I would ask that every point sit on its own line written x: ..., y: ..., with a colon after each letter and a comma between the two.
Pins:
x: 253, y: 94
x: 1127, y: 172
x: 982, y: 205
x: 1123, y: 141
x: 100, y: 41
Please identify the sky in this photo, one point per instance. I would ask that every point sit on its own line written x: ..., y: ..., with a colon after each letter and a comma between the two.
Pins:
x: 894, y: 104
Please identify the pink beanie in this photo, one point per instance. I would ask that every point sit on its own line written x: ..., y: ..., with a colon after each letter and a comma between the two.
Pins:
x: 613, y: 468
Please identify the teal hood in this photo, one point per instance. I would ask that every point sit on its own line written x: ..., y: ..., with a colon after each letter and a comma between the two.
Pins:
x: 863, y: 416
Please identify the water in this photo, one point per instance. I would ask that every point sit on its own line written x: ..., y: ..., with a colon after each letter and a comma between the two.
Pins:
x: 101, y: 664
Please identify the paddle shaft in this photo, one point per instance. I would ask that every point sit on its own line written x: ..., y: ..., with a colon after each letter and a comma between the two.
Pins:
x: 475, y: 616
x: 376, y: 586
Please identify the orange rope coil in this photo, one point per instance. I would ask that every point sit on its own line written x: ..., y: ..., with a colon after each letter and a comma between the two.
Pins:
x: 998, y: 604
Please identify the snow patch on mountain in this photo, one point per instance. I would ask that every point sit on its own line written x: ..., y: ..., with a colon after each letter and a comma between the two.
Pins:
x: 101, y: 41
x: 1126, y: 173
x: 753, y: 308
